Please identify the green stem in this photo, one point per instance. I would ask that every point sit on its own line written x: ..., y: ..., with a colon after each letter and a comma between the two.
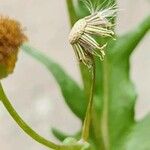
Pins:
x: 96, y: 134
x: 28, y: 130
x: 84, y: 71
x: 104, y: 121
x: 72, y: 13
x: 88, y: 116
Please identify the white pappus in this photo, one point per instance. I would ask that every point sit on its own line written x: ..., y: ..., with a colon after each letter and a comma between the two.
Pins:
x: 97, y: 23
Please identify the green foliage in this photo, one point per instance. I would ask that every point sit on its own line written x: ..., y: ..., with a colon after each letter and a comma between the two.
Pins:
x: 113, y: 124
x: 114, y: 89
x: 138, y: 137
x: 71, y: 91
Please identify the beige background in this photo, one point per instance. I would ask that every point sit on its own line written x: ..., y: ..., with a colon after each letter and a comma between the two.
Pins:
x: 35, y: 93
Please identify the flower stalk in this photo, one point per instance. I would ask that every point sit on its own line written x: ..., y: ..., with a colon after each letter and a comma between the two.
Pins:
x: 23, y: 125
x: 88, y: 116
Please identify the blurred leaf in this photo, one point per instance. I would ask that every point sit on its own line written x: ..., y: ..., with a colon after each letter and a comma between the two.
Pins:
x: 138, y: 138
x: 62, y: 136
x: 73, y: 94
x: 59, y: 135
x: 72, y: 15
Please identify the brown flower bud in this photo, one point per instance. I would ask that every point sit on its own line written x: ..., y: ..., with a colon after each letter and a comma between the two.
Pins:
x: 11, y: 38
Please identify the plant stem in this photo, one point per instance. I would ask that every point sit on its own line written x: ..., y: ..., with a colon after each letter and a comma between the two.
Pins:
x: 72, y: 13
x: 88, y: 116
x: 104, y: 124
x: 28, y: 130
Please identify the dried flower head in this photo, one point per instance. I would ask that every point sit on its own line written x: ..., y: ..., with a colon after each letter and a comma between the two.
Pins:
x: 98, y: 23
x: 11, y: 38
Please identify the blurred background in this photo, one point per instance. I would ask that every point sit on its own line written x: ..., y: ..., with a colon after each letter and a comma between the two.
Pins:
x: 34, y: 92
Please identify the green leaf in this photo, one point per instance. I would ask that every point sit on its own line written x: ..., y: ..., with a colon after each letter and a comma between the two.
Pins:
x: 115, y: 88
x: 138, y: 138
x: 59, y: 135
x: 73, y: 94
x: 62, y: 136
x: 124, y: 45
x: 114, y: 85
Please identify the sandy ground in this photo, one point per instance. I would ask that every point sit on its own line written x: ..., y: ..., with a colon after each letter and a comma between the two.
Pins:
x: 34, y: 92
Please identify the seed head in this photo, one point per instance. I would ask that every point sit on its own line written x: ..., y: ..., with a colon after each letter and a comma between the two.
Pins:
x: 81, y: 35
x: 11, y: 38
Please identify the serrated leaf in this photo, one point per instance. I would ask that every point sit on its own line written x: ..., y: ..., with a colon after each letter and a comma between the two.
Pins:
x: 138, y: 138
x: 73, y: 94
x: 124, y: 45
x: 114, y: 85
